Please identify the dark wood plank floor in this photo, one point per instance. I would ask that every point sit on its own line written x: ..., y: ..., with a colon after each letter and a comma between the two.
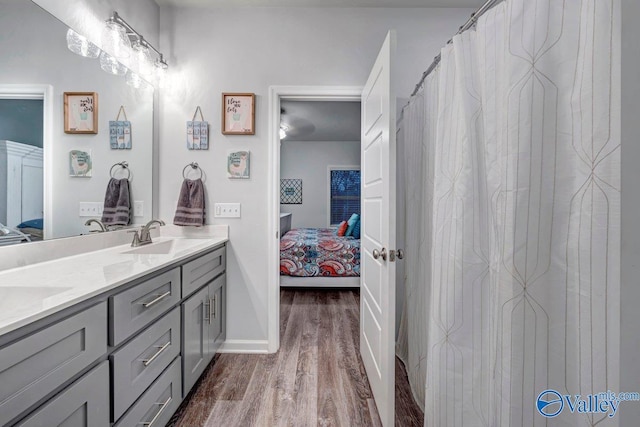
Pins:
x: 315, y: 379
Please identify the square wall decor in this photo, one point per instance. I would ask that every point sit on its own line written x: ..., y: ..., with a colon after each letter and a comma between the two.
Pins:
x: 291, y: 191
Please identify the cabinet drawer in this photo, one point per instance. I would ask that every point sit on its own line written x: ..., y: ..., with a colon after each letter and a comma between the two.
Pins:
x: 156, y: 406
x: 35, y: 366
x: 201, y: 271
x: 135, y: 308
x: 138, y: 363
x: 83, y: 404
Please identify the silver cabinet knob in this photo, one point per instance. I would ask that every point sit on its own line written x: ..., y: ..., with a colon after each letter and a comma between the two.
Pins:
x: 400, y: 254
x: 380, y: 254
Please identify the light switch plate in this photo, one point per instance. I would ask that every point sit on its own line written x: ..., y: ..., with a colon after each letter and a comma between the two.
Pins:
x: 227, y: 210
x: 90, y: 209
x: 138, y: 208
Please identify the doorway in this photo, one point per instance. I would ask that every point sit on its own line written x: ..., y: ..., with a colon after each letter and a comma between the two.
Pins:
x: 35, y: 169
x: 276, y: 95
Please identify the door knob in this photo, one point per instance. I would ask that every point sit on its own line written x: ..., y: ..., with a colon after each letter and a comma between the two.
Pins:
x: 380, y: 254
x: 400, y: 254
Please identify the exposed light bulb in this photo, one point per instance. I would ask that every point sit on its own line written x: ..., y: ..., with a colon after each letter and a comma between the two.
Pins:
x: 111, y: 65
x: 283, y: 131
x: 162, y: 80
x: 115, y: 40
x: 80, y: 45
x: 133, y: 79
x: 141, y: 59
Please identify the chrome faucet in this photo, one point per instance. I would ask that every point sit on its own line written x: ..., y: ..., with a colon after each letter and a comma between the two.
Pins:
x: 144, y: 238
x: 103, y: 228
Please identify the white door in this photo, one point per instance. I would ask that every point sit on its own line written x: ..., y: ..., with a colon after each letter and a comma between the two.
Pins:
x: 32, y: 189
x: 378, y: 237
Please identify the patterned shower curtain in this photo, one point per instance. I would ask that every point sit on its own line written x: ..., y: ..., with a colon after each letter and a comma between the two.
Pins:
x: 512, y: 161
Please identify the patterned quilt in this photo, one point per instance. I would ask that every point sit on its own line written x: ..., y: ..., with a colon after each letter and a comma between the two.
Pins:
x: 308, y: 252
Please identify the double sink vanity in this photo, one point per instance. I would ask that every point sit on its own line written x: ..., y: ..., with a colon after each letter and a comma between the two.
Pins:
x: 117, y: 335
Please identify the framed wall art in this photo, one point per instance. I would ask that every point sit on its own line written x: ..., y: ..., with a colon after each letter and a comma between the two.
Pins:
x: 238, y: 113
x: 238, y: 165
x: 80, y: 164
x: 120, y: 132
x: 291, y: 191
x: 81, y: 112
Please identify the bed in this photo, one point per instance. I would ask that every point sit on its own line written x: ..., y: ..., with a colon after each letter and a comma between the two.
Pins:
x: 33, y: 228
x: 318, y: 257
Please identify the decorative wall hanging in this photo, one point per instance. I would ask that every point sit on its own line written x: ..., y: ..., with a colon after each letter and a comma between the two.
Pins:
x: 120, y: 132
x: 291, y: 191
x: 238, y: 165
x: 238, y: 113
x: 80, y: 164
x: 81, y: 112
x: 198, y: 132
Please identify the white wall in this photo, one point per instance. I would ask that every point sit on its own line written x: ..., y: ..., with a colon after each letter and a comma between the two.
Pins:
x: 34, y: 51
x: 630, y: 263
x: 309, y: 161
x: 247, y: 50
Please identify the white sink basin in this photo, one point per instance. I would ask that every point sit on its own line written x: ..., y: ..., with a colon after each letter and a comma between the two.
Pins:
x: 160, y: 248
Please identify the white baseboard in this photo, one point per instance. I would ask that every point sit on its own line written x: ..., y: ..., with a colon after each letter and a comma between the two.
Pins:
x: 245, y: 346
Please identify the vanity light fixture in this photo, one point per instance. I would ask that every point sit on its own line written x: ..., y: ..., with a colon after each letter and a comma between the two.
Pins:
x: 141, y: 59
x: 111, y: 65
x: 133, y: 79
x: 115, y: 39
x: 125, y: 52
x: 80, y: 45
x: 142, y: 62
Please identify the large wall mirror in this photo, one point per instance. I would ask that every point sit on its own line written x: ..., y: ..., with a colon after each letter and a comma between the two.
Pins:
x: 38, y: 160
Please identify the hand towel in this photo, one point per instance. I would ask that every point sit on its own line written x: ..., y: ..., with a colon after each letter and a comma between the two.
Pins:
x: 117, y: 203
x: 190, y: 210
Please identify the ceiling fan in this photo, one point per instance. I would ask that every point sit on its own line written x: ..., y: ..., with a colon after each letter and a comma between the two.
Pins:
x: 294, y: 126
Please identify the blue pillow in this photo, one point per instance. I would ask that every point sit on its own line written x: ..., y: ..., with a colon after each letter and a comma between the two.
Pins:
x: 352, y: 223
x: 356, y: 230
x: 32, y: 223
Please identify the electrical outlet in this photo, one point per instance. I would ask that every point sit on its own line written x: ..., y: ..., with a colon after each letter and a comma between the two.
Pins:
x: 227, y: 210
x: 90, y: 209
x: 138, y: 208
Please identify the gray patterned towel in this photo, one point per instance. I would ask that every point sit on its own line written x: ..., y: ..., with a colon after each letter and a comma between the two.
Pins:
x: 190, y: 210
x: 117, y: 203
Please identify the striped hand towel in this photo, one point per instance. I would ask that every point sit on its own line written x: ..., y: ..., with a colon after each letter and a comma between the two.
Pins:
x: 190, y: 210
x: 117, y: 203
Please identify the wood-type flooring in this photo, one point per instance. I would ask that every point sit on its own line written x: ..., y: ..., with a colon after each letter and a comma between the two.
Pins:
x: 316, y: 378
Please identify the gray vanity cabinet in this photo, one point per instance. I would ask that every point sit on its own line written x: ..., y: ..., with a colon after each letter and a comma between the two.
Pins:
x: 203, y: 329
x: 84, y: 404
x: 35, y: 366
x: 126, y: 359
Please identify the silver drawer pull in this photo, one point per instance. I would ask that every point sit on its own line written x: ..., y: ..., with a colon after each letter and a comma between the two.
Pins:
x: 156, y: 300
x: 153, y: 420
x: 150, y: 360
x: 206, y: 309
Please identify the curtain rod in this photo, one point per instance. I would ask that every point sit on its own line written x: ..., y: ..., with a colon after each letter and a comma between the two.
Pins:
x: 470, y: 23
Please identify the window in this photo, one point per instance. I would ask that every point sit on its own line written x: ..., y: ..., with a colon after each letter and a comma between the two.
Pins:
x: 344, y: 194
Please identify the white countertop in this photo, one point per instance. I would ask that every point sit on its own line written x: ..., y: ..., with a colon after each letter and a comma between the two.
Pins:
x: 32, y: 292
